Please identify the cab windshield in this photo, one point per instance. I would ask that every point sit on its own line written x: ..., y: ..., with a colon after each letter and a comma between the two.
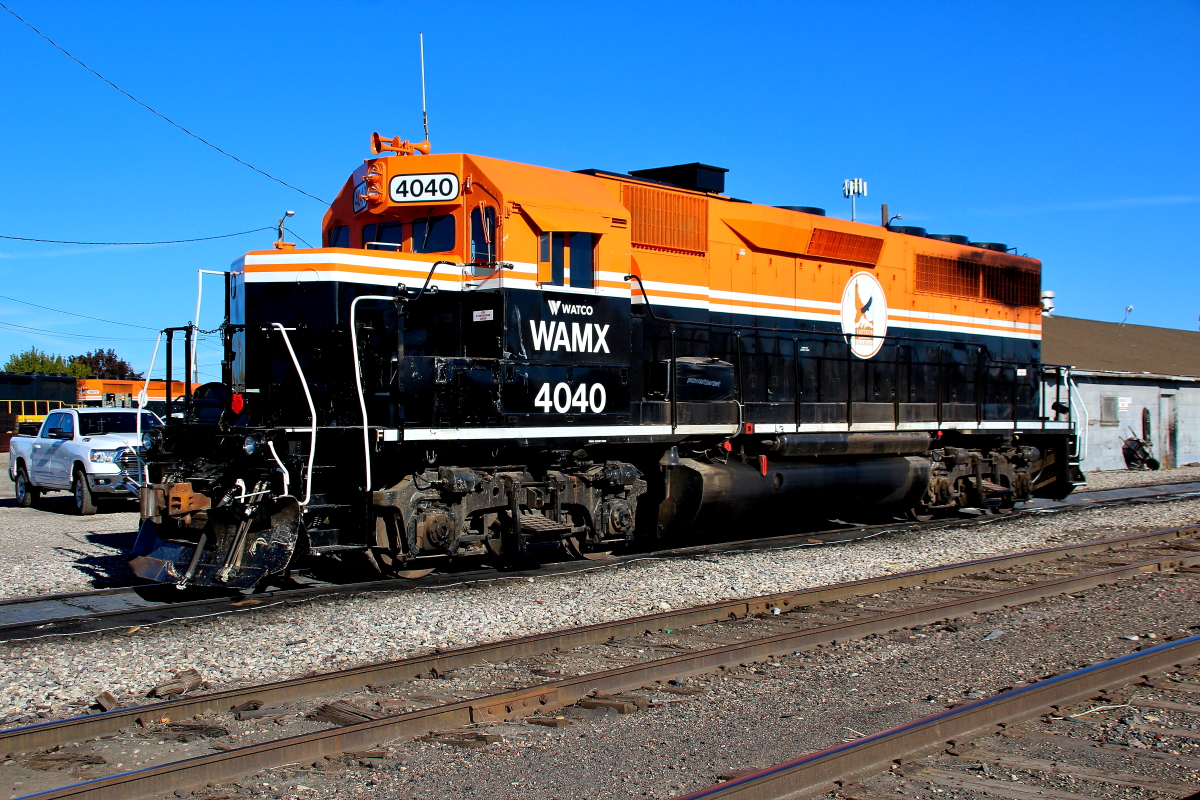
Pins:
x: 114, y: 422
x: 433, y: 234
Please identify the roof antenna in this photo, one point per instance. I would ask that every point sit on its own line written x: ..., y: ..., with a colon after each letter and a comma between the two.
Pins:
x: 406, y: 148
x: 1128, y: 311
x: 424, y: 113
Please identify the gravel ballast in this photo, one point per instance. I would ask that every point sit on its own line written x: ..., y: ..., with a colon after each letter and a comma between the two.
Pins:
x: 49, y: 549
x: 1125, y: 478
x: 756, y: 715
x: 57, y: 676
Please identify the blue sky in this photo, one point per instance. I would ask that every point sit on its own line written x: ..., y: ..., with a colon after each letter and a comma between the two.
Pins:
x: 1068, y: 130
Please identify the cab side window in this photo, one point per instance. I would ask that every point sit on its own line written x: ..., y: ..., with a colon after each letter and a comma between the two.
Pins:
x: 567, y: 259
x: 483, y: 235
x: 583, y: 260
x: 338, y: 236
x: 68, y: 426
x: 52, y: 421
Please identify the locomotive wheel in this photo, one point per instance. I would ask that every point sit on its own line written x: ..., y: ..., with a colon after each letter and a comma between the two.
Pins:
x: 919, y: 513
x: 575, y: 550
x: 412, y: 574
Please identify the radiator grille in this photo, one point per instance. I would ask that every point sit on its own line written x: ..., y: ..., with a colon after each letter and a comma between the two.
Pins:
x: 1012, y: 286
x: 844, y: 246
x: 665, y: 220
x: 128, y: 460
x: 958, y: 277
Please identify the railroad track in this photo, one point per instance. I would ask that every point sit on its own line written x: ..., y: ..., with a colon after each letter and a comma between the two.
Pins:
x: 121, y: 608
x: 775, y: 624
x: 982, y: 734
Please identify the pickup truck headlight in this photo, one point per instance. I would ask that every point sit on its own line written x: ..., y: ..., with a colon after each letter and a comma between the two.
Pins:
x: 103, y: 456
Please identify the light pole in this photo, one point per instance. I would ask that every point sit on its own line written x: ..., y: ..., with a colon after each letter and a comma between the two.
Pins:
x: 854, y: 188
x: 283, y: 219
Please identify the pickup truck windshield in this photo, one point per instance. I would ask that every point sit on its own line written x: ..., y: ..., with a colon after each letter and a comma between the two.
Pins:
x: 116, y: 422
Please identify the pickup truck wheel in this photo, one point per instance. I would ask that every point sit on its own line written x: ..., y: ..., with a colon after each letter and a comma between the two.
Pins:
x: 27, y: 495
x: 84, y: 504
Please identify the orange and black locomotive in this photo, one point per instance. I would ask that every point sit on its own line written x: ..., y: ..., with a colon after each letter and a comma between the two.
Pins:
x: 494, y: 359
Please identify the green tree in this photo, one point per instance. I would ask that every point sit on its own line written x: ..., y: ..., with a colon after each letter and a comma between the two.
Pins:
x: 104, y: 364
x: 78, y: 370
x: 34, y: 360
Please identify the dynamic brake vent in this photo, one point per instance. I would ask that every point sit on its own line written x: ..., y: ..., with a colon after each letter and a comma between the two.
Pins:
x: 844, y: 246
x: 958, y: 277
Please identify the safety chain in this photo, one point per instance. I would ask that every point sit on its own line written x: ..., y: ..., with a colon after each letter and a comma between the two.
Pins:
x: 220, y: 328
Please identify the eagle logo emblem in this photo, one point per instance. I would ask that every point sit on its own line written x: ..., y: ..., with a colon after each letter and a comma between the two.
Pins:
x: 864, y: 314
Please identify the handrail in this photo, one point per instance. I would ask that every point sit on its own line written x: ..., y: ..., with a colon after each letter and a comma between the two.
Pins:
x: 358, y: 387
x: 986, y: 392
x: 312, y: 410
x: 1080, y: 438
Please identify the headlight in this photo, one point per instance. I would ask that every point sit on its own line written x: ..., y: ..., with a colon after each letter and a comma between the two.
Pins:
x: 250, y: 445
x: 151, y: 440
x: 103, y: 456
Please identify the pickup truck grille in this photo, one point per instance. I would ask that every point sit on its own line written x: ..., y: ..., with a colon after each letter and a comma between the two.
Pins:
x: 128, y: 461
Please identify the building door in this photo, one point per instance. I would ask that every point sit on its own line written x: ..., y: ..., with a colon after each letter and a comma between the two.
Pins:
x: 1168, y: 428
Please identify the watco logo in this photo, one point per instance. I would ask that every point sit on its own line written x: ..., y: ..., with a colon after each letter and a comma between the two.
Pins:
x: 559, y: 307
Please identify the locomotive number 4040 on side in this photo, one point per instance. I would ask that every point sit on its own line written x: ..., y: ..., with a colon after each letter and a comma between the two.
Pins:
x: 562, y: 398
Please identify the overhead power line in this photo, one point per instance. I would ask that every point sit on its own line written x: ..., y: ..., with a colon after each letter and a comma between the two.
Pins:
x: 293, y: 233
x: 73, y: 314
x: 156, y: 113
x: 25, y: 328
x: 136, y: 244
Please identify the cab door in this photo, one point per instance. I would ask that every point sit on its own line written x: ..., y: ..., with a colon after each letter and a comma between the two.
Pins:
x: 483, y: 311
x: 61, y: 456
x: 44, y: 447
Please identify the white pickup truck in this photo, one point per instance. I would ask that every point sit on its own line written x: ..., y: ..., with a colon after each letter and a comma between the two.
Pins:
x: 87, y: 451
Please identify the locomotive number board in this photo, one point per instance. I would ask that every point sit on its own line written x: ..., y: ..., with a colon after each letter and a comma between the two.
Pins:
x: 436, y: 187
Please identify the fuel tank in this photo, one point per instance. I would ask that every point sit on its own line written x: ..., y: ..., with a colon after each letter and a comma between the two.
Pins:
x: 708, y: 494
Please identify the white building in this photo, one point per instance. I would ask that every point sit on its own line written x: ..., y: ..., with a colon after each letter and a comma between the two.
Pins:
x: 1135, y: 381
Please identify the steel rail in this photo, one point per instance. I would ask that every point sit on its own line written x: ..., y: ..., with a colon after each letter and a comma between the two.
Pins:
x: 49, y: 734
x: 225, y: 766
x: 829, y: 770
x: 145, y: 611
